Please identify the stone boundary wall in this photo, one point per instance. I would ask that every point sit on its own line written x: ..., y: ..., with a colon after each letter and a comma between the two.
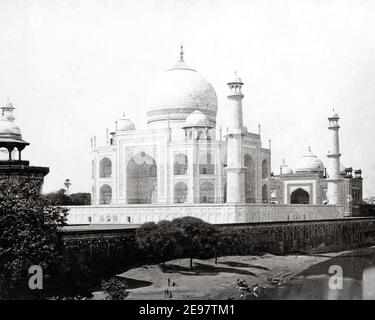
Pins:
x: 117, y: 246
x: 212, y: 213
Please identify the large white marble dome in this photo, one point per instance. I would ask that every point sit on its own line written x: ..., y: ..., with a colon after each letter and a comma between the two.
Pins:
x: 180, y: 91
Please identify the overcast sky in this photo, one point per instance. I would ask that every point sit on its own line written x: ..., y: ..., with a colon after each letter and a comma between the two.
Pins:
x: 72, y: 67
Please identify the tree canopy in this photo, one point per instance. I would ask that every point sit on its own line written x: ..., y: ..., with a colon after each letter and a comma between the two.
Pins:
x: 60, y: 198
x: 183, y: 237
x: 29, y: 233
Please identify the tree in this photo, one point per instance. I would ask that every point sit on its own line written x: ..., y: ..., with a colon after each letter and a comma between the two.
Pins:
x: 30, y: 235
x: 115, y: 289
x: 67, y: 185
x: 59, y: 198
x: 161, y: 241
x: 144, y: 237
x: 199, y: 238
x: 80, y: 198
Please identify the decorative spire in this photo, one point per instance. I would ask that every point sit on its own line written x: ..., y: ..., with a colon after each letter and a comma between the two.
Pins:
x: 9, y: 104
x: 7, y: 110
x: 182, y: 53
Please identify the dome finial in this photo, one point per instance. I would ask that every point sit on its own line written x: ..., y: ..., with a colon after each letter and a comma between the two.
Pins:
x: 182, y: 52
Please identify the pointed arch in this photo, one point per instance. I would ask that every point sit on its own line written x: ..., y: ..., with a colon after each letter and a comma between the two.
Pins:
x: 206, y: 163
x: 141, y: 179
x: 265, y: 194
x: 180, y: 192
x: 207, y: 192
x: 299, y: 196
x: 249, y: 179
x: 180, y: 165
x: 105, y: 194
x: 105, y: 168
x: 265, y: 170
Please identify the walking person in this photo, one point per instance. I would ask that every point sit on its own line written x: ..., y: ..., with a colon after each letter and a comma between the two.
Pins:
x: 169, y: 282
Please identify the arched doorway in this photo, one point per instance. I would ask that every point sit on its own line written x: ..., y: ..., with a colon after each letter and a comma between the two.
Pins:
x: 142, y: 179
x: 265, y: 194
x: 300, y: 196
x: 180, y: 192
x: 206, y: 192
x: 105, y: 194
x: 105, y: 168
x: 264, y: 169
x: 206, y: 163
x: 249, y: 179
x: 180, y: 165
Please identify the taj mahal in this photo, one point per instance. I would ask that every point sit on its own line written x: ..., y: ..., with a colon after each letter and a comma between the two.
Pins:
x: 183, y: 163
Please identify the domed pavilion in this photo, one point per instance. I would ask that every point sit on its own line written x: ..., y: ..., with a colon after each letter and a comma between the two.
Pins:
x: 11, y: 147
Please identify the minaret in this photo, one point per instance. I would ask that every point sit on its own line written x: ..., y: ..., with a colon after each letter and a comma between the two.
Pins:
x: 333, y: 165
x: 235, y: 170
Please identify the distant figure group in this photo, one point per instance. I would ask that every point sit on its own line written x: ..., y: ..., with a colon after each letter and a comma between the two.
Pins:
x: 167, y: 292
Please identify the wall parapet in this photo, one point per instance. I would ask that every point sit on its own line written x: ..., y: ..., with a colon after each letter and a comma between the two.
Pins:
x: 212, y: 213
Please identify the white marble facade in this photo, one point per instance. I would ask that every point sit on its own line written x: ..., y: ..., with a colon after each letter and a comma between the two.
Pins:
x: 181, y: 156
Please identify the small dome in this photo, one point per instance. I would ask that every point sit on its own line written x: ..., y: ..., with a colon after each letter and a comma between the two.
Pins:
x: 125, y: 124
x: 285, y: 169
x: 309, y: 162
x: 197, y: 119
x: 9, y: 129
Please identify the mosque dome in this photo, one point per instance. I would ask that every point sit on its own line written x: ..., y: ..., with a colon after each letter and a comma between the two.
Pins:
x: 197, y: 119
x: 285, y: 169
x: 125, y: 124
x: 179, y: 92
x: 309, y: 162
x: 9, y: 130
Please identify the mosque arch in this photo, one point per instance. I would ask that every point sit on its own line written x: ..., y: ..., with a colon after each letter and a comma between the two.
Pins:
x: 265, y: 169
x: 180, y: 192
x: 206, y: 163
x: 180, y: 165
x: 249, y: 179
x: 105, y: 168
x: 141, y: 179
x: 299, y: 196
x: 105, y: 194
x: 207, y: 192
x: 265, y: 194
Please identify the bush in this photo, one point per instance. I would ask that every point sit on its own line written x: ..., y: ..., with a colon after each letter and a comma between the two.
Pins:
x: 115, y: 289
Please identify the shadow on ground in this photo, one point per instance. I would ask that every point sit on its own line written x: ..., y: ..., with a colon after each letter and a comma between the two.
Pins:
x: 204, y: 269
x: 243, y: 265
x: 134, y: 283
